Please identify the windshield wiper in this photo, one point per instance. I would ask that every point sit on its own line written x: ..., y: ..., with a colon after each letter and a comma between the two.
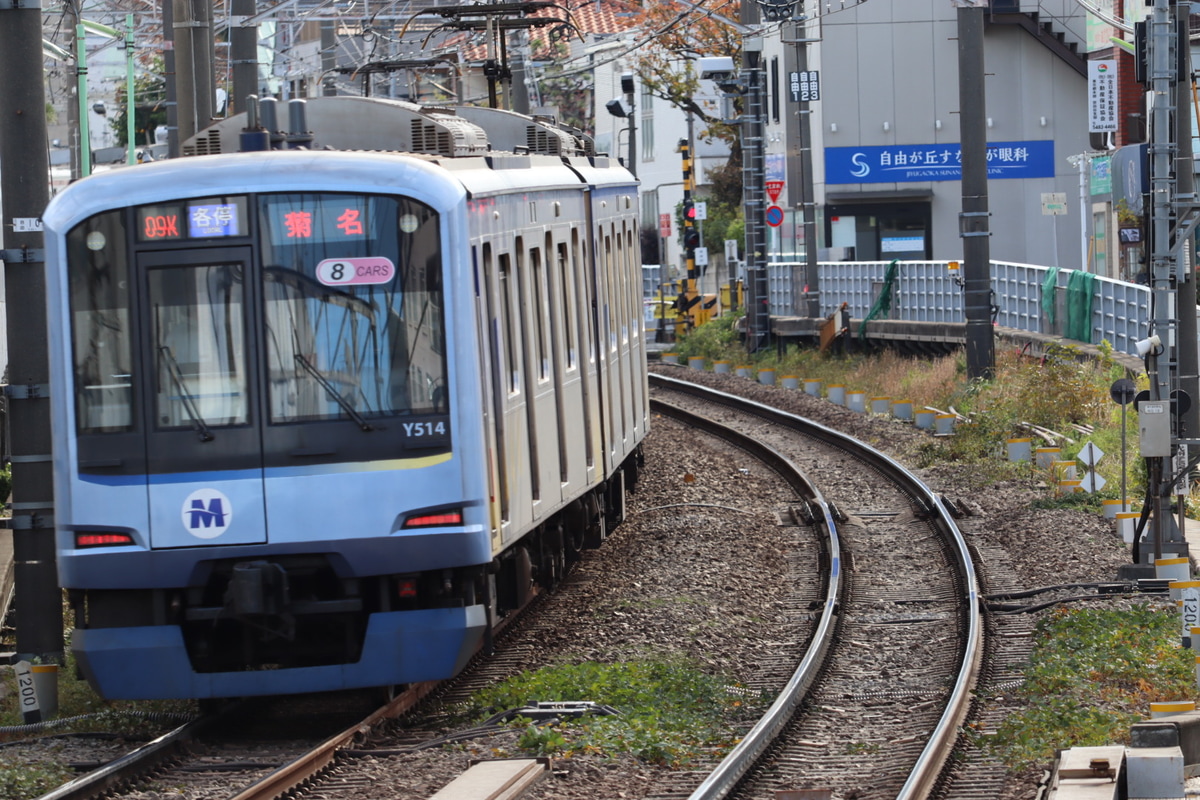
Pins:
x: 334, y: 393
x: 189, y: 402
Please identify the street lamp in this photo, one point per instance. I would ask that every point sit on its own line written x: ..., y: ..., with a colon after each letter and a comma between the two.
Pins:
x: 625, y: 109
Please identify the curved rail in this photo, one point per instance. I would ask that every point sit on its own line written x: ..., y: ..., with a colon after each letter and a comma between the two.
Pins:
x: 941, y: 742
x: 731, y: 770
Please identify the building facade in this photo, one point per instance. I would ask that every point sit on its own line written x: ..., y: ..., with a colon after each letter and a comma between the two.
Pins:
x: 885, y: 130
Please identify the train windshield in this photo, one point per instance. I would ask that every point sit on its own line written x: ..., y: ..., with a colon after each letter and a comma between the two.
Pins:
x: 353, y: 307
x: 278, y: 308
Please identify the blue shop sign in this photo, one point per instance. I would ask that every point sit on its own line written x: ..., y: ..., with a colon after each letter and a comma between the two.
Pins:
x: 901, y: 163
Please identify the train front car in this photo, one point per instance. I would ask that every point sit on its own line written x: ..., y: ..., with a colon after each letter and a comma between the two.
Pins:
x: 269, y: 473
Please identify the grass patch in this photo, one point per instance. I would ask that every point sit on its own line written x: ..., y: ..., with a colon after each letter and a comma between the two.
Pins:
x: 671, y: 713
x: 1094, y: 673
x: 20, y: 781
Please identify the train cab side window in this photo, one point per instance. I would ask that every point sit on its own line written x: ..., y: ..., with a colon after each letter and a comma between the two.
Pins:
x: 101, y: 339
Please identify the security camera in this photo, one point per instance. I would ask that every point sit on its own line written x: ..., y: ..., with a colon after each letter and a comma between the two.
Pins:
x: 717, y: 68
x: 1145, y: 346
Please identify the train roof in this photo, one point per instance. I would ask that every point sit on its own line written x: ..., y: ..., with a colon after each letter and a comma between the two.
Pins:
x: 373, y: 123
x: 440, y: 182
x: 276, y: 171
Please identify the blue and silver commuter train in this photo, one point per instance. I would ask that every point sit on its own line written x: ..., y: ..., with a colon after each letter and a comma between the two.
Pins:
x: 323, y: 416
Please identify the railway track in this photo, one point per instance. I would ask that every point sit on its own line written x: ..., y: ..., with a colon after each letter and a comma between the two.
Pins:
x: 883, y: 716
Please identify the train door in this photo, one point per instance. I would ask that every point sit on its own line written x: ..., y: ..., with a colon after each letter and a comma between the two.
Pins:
x: 203, y: 439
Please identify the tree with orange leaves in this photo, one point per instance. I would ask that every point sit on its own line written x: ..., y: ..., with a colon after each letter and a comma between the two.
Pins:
x: 679, y: 33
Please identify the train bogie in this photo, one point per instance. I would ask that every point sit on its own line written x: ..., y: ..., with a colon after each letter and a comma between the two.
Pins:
x: 329, y: 415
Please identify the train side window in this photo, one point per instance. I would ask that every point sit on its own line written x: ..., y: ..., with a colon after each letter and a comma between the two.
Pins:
x: 609, y: 312
x: 584, y: 319
x: 622, y: 297
x: 633, y: 267
x: 539, y: 313
x: 567, y: 288
x: 508, y: 324
x: 554, y: 295
x: 521, y: 321
x: 101, y: 339
x: 495, y: 331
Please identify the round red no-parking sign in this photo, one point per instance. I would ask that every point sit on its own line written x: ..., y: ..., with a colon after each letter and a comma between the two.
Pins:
x: 774, y: 216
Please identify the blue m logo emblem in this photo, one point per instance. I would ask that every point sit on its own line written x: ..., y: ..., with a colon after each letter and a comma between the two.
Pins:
x: 212, y: 516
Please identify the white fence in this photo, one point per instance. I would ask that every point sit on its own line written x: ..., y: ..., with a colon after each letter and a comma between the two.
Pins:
x: 929, y: 291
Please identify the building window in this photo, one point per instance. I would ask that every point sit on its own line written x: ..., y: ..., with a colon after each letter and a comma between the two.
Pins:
x: 646, y: 109
x: 775, y: 89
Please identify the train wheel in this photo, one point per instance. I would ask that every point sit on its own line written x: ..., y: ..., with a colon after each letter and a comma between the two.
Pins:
x: 594, y: 529
x: 575, y: 524
x: 383, y: 695
x: 514, y: 581
x: 554, y: 561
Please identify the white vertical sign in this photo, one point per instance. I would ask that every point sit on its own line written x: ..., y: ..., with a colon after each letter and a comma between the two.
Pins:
x: 1190, y: 610
x: 27, y: 697
x: 1102, y: 95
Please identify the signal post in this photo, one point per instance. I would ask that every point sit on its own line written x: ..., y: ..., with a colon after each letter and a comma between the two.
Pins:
x: 689, y: 294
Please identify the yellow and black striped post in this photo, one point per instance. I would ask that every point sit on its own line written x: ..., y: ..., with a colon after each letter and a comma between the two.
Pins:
x: 688, y: 295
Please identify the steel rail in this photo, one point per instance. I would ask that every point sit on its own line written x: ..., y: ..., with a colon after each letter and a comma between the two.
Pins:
x: 945, y: 734
x: 733, y: 768
x: 132, y: 764
x: 297, y: 771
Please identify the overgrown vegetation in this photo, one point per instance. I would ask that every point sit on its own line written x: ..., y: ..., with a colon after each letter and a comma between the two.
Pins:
x: 1057, y: 392
x: 671, y: 713
x: 1093, y: 674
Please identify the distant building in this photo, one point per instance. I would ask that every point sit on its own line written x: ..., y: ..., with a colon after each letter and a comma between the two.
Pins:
x: 885, y: 132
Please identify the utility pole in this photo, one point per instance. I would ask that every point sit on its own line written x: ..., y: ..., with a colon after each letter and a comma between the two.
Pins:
x: 627, y: 88
x: 974, y: 220
x: 24, y: 193
x: 329, y: 61
x: 69, y: 20
x: 243, y: 52
x: 167, y: 8
x: 1188, y: 423
x: 806, y: 292
x: 758, y: 317
x: 185, y: 79
x: 1173, y: 215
